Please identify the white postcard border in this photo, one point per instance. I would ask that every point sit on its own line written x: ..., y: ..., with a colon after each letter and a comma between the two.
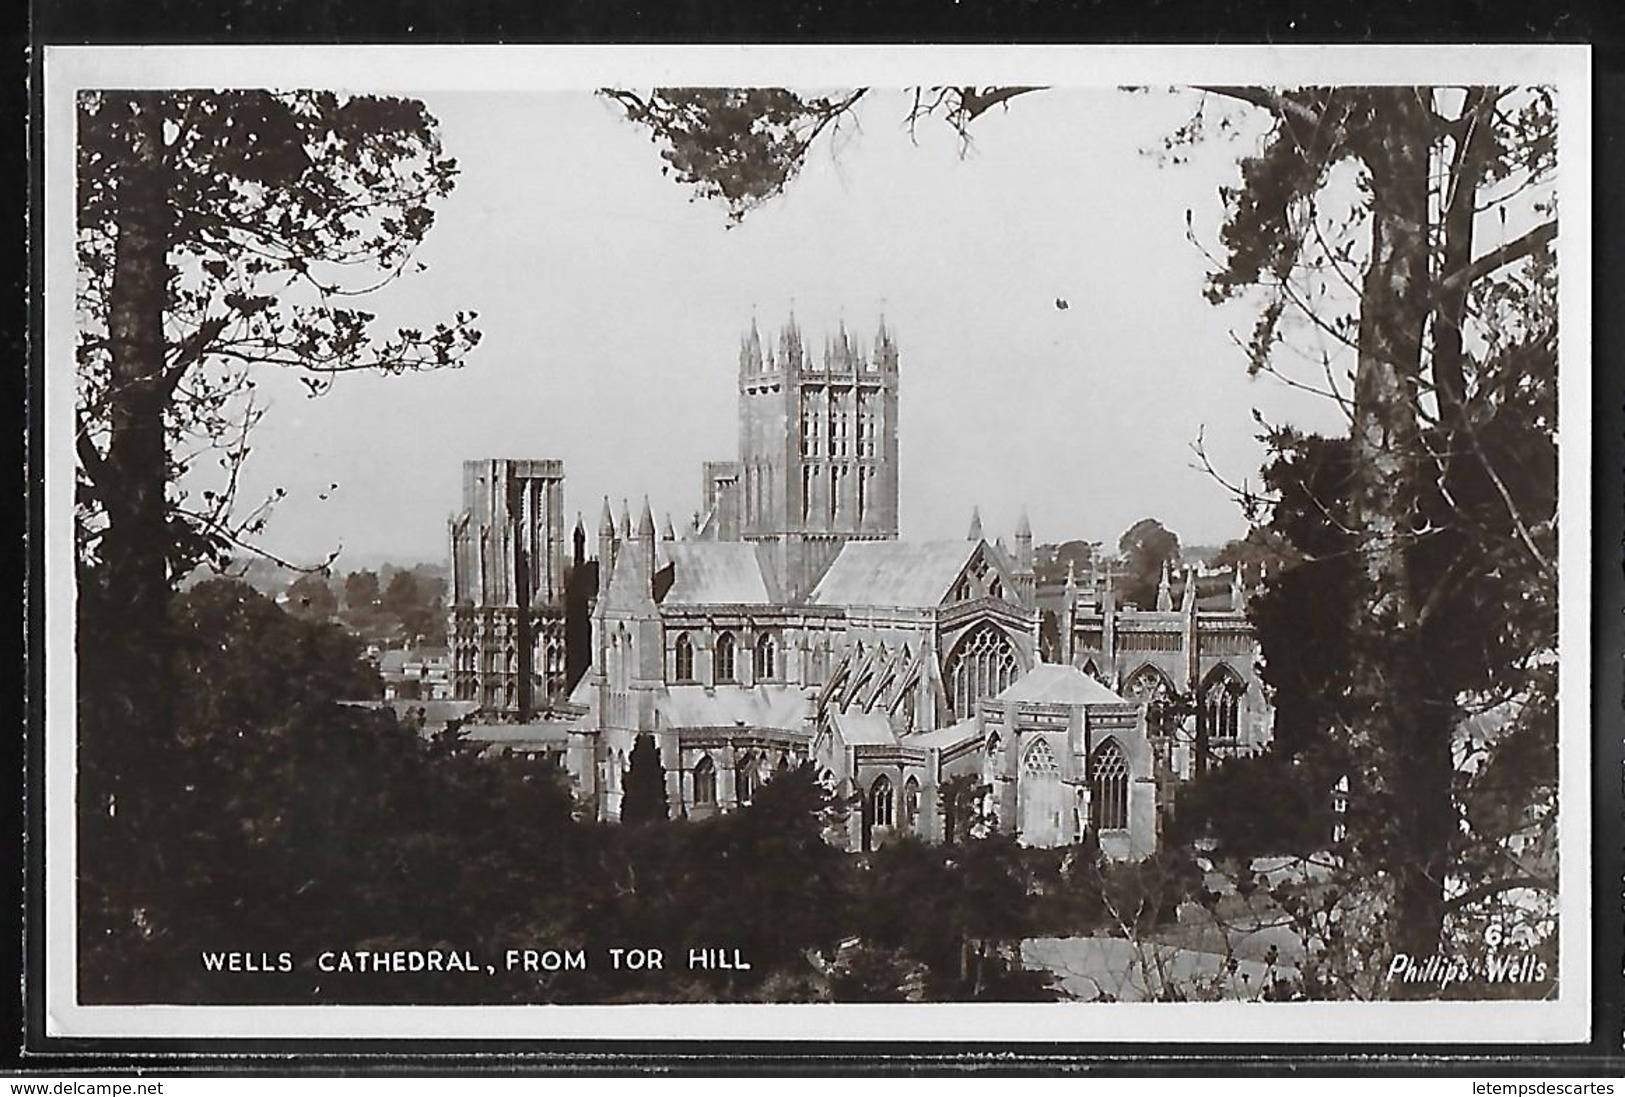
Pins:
x: 474, y: 68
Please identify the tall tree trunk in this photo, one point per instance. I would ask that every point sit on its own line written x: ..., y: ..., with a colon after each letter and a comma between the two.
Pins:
x: 1473, y: 145
x: 125, y: 649
x: 1399, y: 731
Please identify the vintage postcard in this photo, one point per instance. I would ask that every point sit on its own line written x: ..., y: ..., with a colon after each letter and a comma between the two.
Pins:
x: 1051, y: 544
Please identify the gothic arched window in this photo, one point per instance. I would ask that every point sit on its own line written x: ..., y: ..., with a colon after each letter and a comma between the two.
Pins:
x: 880, y: 802
x: 723, y: 657
x: 1150, y: 687
x: 705, y: 781
x: 1040, y: 759
x: 767, y: 656
x: 747, y: 777
x: 683, y: 658
x: 1147, y: 684
x: 995, y: 756
x: 981, y: 666
x: 911, y: 805
x: 1221, y: 704
x: 1108, y: 786
x: 1040, y: 795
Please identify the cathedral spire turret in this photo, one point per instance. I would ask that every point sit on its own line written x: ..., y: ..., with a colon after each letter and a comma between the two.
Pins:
x: 1165, y: 594
x: 1237, y: 594
x: 885, y: 350
x: 606, y: 546
x: 646, y: 543
x: 626, y: 521
x: 1025, y: 579
x: 1187, y: 598
x: 750, y: 350
x: 792, y: 352
x: 579, y: 541
x: 668, y: 532
x: 975, y: 533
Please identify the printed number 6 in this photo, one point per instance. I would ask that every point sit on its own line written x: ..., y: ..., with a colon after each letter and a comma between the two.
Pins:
x: 1492, y: 936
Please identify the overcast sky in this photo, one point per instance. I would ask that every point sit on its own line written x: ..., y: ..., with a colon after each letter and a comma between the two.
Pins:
x: 612, y: 307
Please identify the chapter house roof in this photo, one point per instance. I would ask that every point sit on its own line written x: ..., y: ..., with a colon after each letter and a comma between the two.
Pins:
x: 915, y: 574
x: 1056, y: 684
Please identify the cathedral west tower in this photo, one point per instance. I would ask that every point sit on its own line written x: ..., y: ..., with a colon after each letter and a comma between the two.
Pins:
x: 506, y: 624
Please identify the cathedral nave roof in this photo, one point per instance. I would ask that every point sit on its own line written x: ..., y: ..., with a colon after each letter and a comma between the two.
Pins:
x: 915, y: 574
x: 715, y: 573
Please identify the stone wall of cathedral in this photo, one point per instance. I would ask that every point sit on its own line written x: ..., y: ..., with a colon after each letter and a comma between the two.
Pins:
x: 507, y: 599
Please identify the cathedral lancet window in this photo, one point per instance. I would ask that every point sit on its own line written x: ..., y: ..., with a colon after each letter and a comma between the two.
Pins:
x: 881, y: 806
x: 1221, y: 704
x: 683, y: 658
x: 747, y: 777
x: 723, y: 657
x: 767, y: 657
x: 1108, y: 786
x: 705, y: 780
x: 995, y: 757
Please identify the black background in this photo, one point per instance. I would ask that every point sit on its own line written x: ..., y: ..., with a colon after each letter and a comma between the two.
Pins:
x: 806, y: 21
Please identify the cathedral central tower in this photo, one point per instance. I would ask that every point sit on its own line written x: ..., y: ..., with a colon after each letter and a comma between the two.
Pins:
x: 817, y: 449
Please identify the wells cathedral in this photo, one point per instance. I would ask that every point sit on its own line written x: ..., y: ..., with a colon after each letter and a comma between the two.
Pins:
x: 790, y: 623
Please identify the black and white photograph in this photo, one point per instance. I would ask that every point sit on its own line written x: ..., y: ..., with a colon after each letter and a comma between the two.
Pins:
x: 750, y: 542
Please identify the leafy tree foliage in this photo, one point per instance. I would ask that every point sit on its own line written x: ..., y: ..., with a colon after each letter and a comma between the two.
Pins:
x: 361, y: 591
x: 742, y: 146
x: 219, y: 233
x: 311, y: 596
x: 416, y: 605
x: 1429, y: 531
x: 1147, y: 547
x: 1052, y: 562
x: 968, y: 909
x: 1262, y: 549
x: 644, y: 797
x: 738, y: 145
x: 1254, y: 807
